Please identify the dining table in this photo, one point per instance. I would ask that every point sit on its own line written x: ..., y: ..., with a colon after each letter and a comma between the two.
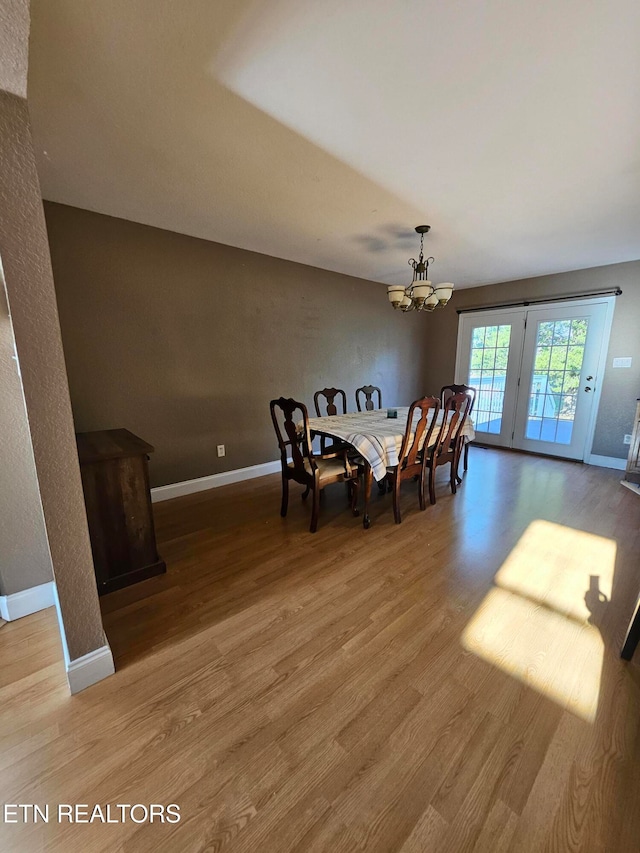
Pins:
x: 377, y: 439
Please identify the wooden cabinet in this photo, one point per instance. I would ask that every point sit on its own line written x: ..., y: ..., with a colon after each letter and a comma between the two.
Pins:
x: 633, y: 461
x: 115, y: 480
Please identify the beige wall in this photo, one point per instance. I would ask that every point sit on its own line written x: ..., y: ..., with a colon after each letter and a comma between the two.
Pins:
x: 184, y: 341
x: 24, y: 551
x: 32, y: 307
x: 14, y: 46
x: 620, y: 387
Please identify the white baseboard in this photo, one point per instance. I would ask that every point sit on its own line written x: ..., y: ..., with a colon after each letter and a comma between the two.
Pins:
x: 607, y: 462
x: 82, y: 672
x: 635, y: 487
x: 90, y: 668
x: 201, y: 484
x: 28, y: 601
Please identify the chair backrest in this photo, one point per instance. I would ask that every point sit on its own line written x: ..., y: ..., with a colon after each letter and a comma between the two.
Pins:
x: 330, y: 395
x: 367, y: 391
x: 454, y: 414
x: 418, y: 435
x: 449, y: 390
x: 291, y: 441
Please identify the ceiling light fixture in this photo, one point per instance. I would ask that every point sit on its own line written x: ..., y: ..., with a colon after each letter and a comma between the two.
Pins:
x: 421, y: 295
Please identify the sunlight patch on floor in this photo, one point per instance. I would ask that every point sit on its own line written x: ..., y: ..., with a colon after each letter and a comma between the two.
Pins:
x: 540, y: 621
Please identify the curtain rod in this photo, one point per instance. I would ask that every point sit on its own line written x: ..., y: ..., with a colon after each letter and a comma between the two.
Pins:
x: 615, y: 291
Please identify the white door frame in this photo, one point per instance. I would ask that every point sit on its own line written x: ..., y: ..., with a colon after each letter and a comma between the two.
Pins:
x: 609, y: 301
x: 516, y: 318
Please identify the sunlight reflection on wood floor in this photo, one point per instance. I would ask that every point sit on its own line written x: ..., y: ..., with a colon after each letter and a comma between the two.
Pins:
x: 535, y: 622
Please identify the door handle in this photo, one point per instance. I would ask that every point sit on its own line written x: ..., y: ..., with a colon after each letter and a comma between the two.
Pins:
x: 588, y: 388
x: 589, y: 378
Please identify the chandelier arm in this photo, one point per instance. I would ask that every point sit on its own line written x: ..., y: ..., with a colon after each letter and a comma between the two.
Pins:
x: 426, y: 265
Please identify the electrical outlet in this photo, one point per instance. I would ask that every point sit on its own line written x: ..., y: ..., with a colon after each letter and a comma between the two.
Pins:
x: 627, y: 439
x: 221, y: 450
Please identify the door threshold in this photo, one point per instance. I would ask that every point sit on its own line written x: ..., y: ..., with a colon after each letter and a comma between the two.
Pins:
x: 526, y: 452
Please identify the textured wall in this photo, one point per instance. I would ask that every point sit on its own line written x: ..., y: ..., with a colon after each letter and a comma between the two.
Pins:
x: 14, y: 46
x: 31, y: 296
x: 24, y: 550
x: 184, y: 341
x: 620, y: 387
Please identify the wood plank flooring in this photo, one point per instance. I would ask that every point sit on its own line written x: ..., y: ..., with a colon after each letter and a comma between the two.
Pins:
x: 449, y: 684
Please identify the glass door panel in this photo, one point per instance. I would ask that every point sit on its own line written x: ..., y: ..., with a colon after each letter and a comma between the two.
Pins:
x: 559, y: 365
x: 488, y: 374
x: 489, y: 360
x: 535, y: 372
x: 555, y: 381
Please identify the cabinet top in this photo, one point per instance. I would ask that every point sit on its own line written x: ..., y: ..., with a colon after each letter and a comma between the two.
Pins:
x: 110, y: 444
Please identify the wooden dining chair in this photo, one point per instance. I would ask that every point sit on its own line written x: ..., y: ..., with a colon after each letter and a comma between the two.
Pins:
x: 330, y: 406
x: 414, y: 451
x: 367, y: 391
x: 448, y: 391
x: 446, y: 449
x: 331, y: 409
x: 302, y: 465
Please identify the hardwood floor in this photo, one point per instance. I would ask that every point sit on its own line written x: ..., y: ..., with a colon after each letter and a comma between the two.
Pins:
x: 450, y: 684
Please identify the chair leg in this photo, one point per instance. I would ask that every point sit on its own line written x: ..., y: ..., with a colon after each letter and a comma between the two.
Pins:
x: 285, y: 497
x: 466, y: 455
x: 458, y: 459
x: 421, y: 498
x: 432, y: 483
x: 305, y: 494
x: 386, y: 484
x: 355, y: 488
x: 452, y: 475
x: 396, y: 500
x: 315, y: 509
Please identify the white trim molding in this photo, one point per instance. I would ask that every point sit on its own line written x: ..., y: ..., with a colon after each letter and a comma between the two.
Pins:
x: 82, y: 672
x: 63, y: 633
x: 90, y: 668
x: 609, y: 302
x: 635, y: 487
x: 213, y: 481
x: 606, y: 461
x: 27, y: 601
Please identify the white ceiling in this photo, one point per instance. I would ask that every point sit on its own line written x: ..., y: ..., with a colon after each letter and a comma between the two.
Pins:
x: 322, y: 132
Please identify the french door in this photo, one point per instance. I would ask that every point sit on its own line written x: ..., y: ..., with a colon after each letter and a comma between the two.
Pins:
x: 535, y: 370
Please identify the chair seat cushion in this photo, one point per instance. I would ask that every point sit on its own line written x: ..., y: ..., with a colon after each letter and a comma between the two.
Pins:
x: 326, y: 467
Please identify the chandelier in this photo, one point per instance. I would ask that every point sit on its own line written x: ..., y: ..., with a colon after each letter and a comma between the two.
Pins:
x: 421, y: 295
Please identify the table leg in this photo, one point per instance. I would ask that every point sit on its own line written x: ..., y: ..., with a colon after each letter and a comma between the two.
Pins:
x: 368, y: 480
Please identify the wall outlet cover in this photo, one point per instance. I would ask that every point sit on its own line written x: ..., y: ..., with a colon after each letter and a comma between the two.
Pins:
x: 221, y: 450
x: 627, y: 439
